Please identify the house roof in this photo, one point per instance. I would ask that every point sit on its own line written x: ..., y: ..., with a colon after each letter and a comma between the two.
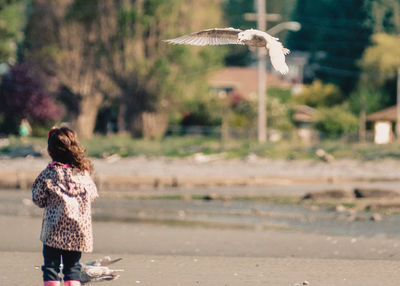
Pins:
x: 244, y: 80
x: 389, y: 114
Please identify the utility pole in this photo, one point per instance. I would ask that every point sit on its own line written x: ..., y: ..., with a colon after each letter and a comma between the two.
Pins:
x: 262, y: 17
x: 398, y: 106
x: 262, y: 84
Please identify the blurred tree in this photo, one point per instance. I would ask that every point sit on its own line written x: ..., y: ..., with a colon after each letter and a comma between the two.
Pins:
x: 383, y: 16
x: 63, y: 41
x: 152, y: 76
x: 381, y: 67
x: 335, y: 34
x: 381, y: 60
x: 335, y: 121
x: 279, y: 109
x: 319, y: 94
x: 242, y: 111
x: 364, y: 100
x: 12, y: 21
x: 114, y: 48
x: 373, y: 99
x: 377, y: 84
x: 22, y: 96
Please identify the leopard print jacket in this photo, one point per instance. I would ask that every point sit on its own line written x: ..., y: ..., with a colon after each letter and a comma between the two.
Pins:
x: 66, y: 195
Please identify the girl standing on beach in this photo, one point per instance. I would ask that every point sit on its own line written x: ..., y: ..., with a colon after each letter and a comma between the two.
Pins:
x: 65, y: 190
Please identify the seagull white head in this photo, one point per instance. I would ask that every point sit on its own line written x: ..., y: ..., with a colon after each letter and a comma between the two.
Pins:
x: 246, y: 35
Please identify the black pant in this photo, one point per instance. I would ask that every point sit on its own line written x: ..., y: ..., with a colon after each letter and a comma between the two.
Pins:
x: 52, y: 260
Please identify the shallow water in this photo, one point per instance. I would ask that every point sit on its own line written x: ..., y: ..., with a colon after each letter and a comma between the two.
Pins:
x: 221, y: 214
x: 250, y: 214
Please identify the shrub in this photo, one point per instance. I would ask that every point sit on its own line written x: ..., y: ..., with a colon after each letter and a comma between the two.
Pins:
x: 319, y: 94
x: 22, y: 95
x: 335, y: 121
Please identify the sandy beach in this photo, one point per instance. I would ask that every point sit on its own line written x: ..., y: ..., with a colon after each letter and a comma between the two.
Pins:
x: 169, y: 242
x: 163, y: 255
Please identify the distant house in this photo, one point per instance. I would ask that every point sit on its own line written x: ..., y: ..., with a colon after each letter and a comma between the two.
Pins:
x: 383, y: 122
x: 243, y: 80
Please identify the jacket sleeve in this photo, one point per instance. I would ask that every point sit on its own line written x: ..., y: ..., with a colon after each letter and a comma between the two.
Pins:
x: 91, y: 188
x: 40, y: 193
x: 93, y: 192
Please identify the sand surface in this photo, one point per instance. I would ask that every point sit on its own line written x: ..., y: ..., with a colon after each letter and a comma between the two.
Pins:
x: 168, y: 255
x: 164, y: 254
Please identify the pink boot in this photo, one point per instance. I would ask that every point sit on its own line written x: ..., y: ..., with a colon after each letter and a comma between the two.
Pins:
x: 51, y: 283
x: 72, y: 283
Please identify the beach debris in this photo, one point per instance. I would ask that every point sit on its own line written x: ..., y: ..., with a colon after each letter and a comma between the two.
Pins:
x: 251, y: 158
x: 305, y: 282
x: 256, y: 211
x: 113, y: 158
x: 97, y: 270
x: 329, y: 194
x: 4, y: 142
x: 324, y: 156
x: 202, y: 158
x: 375, y: 217
x: 375, y: 193
x: 340, y: 208
x: 210, y: 197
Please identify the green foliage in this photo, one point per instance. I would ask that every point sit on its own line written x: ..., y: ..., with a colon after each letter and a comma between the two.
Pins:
x: 167, y: 75
x: 383, y: 15
x: 242, y: 113
x: 335, y: 121
x: 82, y: 11
x: 278, y: 109
x: 374, y: 99
x: 205, y: 112
x: 284, y: 95
x: 319, y: 94
x: 335, y: 34
x: 12, y: 22
x: 115, y: 48
x: 383, y: 57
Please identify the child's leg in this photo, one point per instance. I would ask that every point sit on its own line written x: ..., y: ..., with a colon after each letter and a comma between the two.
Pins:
x: 52, y: 261
x: 72, y: 267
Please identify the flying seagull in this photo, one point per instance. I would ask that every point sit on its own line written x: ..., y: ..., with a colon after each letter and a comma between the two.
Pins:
x: 232, y: 36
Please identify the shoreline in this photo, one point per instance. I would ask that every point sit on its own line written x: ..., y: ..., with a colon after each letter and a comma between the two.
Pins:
x: 139, y: 172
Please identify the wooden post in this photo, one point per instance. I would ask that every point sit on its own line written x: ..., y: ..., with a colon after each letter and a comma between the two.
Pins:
x: 262, y: 96
x: 398, y: 106
x: 363, y: 118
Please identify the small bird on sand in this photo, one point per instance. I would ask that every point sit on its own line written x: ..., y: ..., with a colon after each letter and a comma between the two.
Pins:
x: 232, y: 36
x: 97, y: 270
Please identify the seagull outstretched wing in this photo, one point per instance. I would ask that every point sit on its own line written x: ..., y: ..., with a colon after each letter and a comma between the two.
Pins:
x: 216, y: 36
x: 232, y: 36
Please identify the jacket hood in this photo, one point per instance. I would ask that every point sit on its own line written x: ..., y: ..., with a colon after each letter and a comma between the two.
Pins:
x: 70, y: 180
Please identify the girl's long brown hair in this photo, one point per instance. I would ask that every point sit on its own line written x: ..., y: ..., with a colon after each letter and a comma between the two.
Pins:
x: 64, y: 147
